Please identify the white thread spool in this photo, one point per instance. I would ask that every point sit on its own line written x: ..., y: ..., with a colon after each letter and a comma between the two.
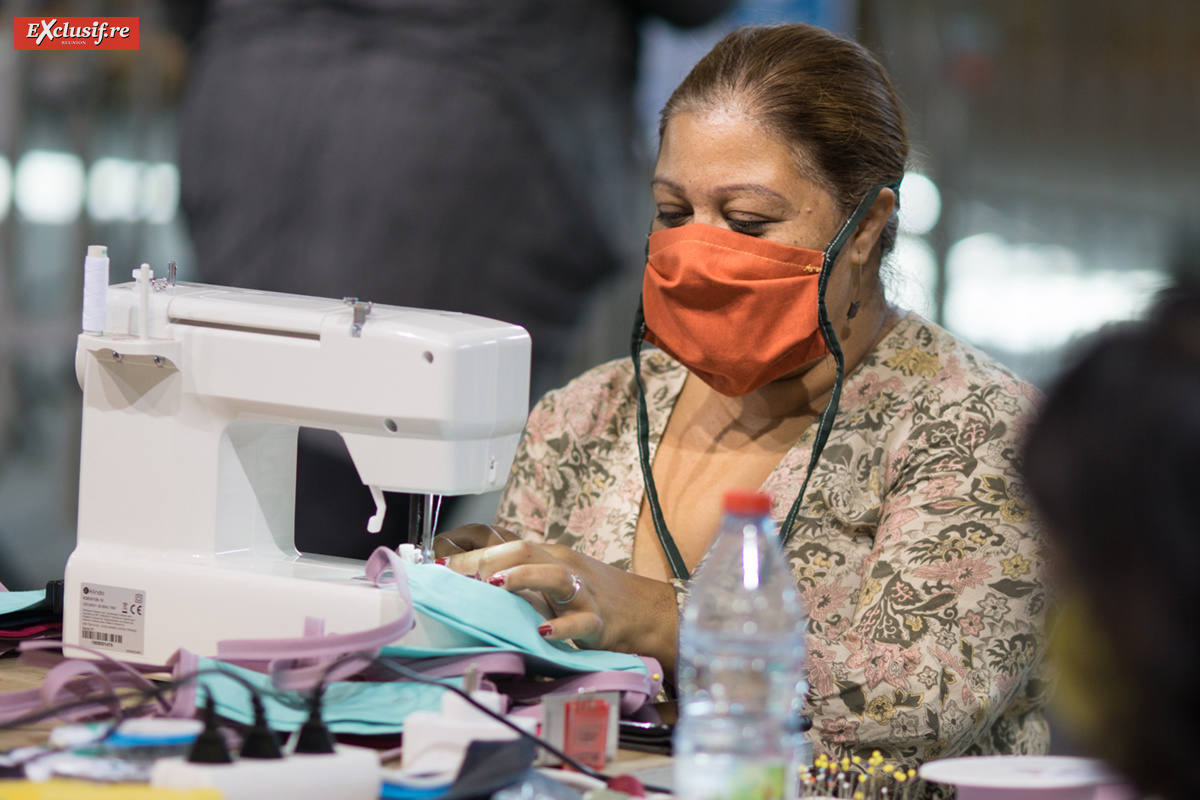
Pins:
x: 95, y: 288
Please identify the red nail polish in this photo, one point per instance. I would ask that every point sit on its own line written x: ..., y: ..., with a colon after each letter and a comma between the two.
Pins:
x: 499, y: 579
x: 477, y: 576
x: 545, y: 630
x: 443, y: 561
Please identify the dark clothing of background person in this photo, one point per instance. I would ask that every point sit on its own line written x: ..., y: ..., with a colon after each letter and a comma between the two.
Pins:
x: 1112, y: 464
x: 466, y: 155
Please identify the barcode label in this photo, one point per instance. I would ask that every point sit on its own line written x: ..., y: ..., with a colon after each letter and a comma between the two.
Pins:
x: 112, y: 618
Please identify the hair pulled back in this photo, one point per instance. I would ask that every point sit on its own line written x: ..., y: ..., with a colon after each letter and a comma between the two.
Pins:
x: 822, y: 94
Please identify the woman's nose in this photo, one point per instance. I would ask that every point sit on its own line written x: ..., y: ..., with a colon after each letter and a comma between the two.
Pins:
x: 707, y: 217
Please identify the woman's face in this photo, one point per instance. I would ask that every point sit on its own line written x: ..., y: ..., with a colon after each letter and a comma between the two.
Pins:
x: 722, y: 168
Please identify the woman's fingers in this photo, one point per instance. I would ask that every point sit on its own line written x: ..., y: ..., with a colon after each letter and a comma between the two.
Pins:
x: 552, y: 579
x: 444, y: 546
x: 467, y: 538
x: 583, y: 597
x: 488, y: 561
x: 584, y: 627
x: 611, y: 610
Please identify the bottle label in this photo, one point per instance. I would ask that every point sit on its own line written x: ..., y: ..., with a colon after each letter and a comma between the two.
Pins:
x: 726, y: 777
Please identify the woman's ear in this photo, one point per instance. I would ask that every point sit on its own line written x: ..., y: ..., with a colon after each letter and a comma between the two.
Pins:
x: 866, y: 237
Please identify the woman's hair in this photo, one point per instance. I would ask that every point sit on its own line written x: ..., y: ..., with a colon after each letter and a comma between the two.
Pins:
x: 824, y: 95
x: 1113, y: 465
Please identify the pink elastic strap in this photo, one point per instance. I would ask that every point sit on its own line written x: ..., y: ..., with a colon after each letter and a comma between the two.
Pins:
x: 71, y: 679
x: 31, y: 631
x: 302, y: 662
x: 655, y: 671
x: 183, y: 664
x: 17, y: 704
x: 337, y: 643
x: 532, y: 712
x: 126, y: 674
x: 498, y: 663
x: 293, y: 676
x: 64, y: 680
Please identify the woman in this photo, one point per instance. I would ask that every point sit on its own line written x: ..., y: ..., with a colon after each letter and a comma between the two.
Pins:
x: 781, y: 154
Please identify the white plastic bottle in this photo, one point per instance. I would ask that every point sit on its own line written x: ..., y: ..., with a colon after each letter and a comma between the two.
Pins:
x: 741, y: 665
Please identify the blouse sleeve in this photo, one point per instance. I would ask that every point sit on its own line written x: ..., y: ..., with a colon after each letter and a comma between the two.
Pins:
x: 947, y: 627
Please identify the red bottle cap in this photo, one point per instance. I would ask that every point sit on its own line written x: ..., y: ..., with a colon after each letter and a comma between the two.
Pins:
x: 747, y: 501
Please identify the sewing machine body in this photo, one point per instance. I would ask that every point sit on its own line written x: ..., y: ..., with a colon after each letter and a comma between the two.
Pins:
x: 188, y: 457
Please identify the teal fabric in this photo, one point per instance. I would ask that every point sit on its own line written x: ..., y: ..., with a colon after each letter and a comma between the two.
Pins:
x: 355, y: 707
x: 19, y: 601
x: 464, y: 616
x: 457, y: 616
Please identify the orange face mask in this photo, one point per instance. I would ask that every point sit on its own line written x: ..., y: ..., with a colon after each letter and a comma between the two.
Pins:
x: 736, y: 310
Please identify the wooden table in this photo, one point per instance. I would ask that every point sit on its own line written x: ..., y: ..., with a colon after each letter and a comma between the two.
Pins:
x: 13, y: 678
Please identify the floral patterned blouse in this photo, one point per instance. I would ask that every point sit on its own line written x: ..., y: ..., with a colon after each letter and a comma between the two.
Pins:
x: 914, y: 551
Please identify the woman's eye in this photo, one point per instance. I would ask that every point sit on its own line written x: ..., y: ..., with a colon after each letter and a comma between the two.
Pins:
x: 670, y: 218
x: 750, y: 226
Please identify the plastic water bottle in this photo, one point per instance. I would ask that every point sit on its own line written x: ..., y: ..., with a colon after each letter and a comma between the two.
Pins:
x: 741, y: 665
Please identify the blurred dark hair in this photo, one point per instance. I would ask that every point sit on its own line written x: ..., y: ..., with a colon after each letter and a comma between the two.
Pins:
x: 823, y: 94
x: 1113, y: 465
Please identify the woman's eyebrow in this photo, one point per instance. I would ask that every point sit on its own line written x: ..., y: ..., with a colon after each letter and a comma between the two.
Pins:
x: 753, y: 188
x: 672, y: 185
x: 733, y: 188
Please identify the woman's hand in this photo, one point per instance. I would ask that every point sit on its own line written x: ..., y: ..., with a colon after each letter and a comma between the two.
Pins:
x: 466, y: 538
x: 597, y: 605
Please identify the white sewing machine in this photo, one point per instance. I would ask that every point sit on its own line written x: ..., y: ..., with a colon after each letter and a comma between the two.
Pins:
x: 192, y: 398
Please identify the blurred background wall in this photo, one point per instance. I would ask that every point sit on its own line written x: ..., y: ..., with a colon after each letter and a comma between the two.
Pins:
x: 1052, y: 190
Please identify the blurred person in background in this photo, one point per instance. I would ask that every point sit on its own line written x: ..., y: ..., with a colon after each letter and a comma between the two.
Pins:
x: 466, y: 155
x: 1113, y: 465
